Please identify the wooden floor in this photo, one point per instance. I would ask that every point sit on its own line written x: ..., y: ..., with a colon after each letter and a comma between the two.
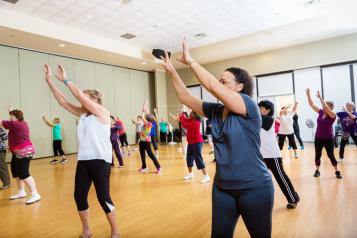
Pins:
x: 150, y: 205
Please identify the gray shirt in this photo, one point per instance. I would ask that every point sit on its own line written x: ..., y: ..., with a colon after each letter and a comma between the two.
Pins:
x: 239, y: 163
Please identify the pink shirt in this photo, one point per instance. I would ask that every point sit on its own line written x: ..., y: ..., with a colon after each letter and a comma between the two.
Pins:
x: 19, y: 133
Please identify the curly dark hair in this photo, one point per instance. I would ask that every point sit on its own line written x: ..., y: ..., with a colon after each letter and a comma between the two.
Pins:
x: 242, y: 76
x: 268, y: 105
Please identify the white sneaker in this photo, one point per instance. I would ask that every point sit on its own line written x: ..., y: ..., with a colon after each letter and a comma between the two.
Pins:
x: 157, y: 155
x: 146, y: 170
x: 296, y: 156
x: 189, y: 176
x: 205, y: 179
x: 34, y: 198
x: 18, y: 195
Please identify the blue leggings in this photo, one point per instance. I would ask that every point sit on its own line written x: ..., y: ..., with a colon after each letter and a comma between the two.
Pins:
x: 254, y: 205
x: 194, y: 153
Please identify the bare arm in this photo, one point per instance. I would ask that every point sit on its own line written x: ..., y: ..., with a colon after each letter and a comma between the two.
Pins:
x: 47, y: 122
x: 327, y: 110
x: 181, y: 90
x: 232, y: 100
x: 135, y: 122
x: 93, y: 107
x: 293, y: 110
x: 77, y: 111
x: 349, y: 114
x: 311, y: 103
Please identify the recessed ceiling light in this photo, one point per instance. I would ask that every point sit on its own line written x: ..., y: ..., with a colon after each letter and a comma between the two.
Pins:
x: 277, y: 13
x: 170, y: 45
x: 200, y: 35
x: 308, y: 3
x: 88, y: 16
x: 62, y: 45
x: 143, y: 63
x: 128, y: 36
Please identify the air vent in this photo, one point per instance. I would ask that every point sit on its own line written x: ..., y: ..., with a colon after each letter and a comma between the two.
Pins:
x: 128, y: 36
x: 11, y: 1
x: 200, y: 35
x: 123, y: 2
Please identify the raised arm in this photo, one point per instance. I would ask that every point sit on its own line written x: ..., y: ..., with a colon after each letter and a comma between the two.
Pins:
x: 47, y: 122
x: 181, y: 90
x: 232, y: 100
x: 135, y: 122
x: 293, y: 110
x: 349, y: 114
x: 325, y: 107
x: 92, y: 106
x: 77, y: 111
x: 311, y: 103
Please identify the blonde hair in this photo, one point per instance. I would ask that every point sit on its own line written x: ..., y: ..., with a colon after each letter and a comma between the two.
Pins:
x: 56, y: 120
x: 351, y: 104
x: 95, y: 94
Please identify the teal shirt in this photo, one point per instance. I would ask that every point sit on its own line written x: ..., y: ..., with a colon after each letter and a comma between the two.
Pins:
x: 56, y: 131
x: 163, y: 126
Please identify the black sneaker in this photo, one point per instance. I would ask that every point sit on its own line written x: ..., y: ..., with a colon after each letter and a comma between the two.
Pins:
x: 291, y: 205
x: 53, y: 161
x: 63, y: 161
x: 338, y: 175
x: 317, y: 173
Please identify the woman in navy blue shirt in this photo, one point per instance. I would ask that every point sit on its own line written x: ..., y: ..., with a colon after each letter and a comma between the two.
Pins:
x: 242, y: 184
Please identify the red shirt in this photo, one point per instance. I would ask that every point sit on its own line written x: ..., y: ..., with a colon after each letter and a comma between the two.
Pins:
x: 19, y: 133
x: 121, y: 124
x: 193, y: 129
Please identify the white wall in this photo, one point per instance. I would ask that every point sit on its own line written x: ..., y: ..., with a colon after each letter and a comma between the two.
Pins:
x: 307, y: 78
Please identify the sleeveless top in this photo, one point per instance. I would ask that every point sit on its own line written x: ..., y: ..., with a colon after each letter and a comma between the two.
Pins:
x: 93, y: 139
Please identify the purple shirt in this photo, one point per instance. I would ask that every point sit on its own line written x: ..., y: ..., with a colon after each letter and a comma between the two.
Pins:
x: 324, y: 126
x: 347, y: 123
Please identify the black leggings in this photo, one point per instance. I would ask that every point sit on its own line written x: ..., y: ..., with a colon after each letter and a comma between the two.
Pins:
x: 20, y: 167
x: 98, y: 172
x: 344, y: 142
x: 154, y: 142
x: 123, y: 140
x: 276, y: 167
x: 297, y: 134
x: 254, y: 205
x: 290, y: 138
x: 57, y: 148
x: 146, y: 146
x: 319, y: 145
x: 163, y: 137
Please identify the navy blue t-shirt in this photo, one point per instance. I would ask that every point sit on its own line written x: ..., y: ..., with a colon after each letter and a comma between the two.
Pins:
x: 239, y: 163
x: 153, y: 129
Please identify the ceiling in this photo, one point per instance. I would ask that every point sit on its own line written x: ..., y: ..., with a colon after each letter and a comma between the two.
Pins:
x: 246, y: 26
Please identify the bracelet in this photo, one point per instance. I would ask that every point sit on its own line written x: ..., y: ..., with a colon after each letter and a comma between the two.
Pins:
x: 66, y: 81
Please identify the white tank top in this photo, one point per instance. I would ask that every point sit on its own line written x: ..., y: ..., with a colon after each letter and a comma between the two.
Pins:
x: 269, y: 146
x: 93, y: 139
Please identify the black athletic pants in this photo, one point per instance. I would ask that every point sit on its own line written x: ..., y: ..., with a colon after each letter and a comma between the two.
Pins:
x: 255, y: 205
x: 297, y: 134
x: 57, y: 148
x: 319, y: 145
x: 344, y: 142
x: 276, y: 167
x: 98, y: 172
x: 123, y: 140
x: 154, y: 142
x: 146, y: 146
x: 290, y: 138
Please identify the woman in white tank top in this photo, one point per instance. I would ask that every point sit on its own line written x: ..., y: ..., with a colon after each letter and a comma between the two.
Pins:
x: 94, y: 148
